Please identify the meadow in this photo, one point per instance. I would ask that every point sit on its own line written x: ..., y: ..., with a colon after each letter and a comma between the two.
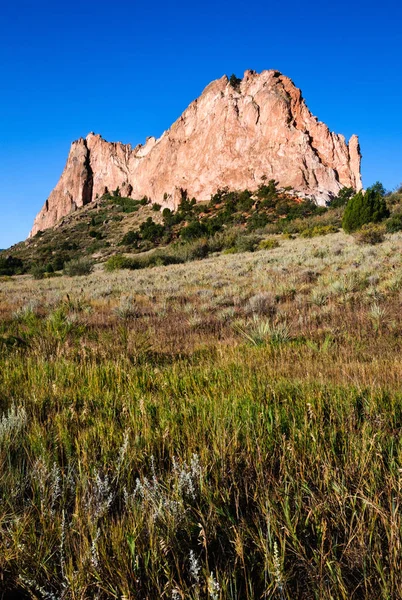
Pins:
x: 227, y: 428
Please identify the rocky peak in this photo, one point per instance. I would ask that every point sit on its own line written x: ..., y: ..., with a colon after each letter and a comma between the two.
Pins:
x: 231, y: 136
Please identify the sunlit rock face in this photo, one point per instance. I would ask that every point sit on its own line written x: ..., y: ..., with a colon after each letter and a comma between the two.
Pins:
x: 231, y: 136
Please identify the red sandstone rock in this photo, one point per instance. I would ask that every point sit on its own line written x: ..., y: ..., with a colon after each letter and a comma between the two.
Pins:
x: 226, y: 138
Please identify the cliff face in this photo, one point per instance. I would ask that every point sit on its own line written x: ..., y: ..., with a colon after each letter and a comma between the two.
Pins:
x: 227, y: 137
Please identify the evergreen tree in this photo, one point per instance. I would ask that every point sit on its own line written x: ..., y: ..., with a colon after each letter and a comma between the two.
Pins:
x: 362, y: 208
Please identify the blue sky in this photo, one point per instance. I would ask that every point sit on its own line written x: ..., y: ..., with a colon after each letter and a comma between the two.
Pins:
x: 127, y: 70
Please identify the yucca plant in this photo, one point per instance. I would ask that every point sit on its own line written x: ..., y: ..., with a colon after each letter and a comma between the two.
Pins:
x: 260, y: 332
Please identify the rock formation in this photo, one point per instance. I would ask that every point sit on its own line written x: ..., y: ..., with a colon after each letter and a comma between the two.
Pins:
x: 231, y: 136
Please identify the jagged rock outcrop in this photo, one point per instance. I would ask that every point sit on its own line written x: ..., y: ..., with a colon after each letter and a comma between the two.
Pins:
x: 229, y: 136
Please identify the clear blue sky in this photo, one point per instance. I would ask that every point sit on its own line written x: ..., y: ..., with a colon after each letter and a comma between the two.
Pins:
x: 127, y: 69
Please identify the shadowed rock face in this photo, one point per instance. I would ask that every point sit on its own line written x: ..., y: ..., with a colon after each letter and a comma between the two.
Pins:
x: 227, y: 137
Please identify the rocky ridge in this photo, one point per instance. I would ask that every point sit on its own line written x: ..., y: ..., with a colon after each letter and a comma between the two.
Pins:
x: 231, y: 136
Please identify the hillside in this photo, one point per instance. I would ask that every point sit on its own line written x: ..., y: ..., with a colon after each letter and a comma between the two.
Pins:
x: 114, y: 224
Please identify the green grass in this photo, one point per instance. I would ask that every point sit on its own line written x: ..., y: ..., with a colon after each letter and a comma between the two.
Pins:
x: 310, y: 469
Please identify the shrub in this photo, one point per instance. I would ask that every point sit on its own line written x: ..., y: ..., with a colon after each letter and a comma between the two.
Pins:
x: 168, y: 217
x: 186, y: 205
x: 268, y: 191
x: 125, y: 205
x: 370, y: 234
x: 130, y: 238
x: 10, y: 265
x: 319, y: 230
x: 247, y: 243
x: 394, y: 223
x: 156, y: 207
x: 268, y: 244
x: 158, y: 258
x: 223, y: 239
x: 38, y: 271
x: 257, y: 221
x: 192, y: 251
x: 118, y: 261
x: 142, y: 261
x: 96, y: 234
x: 151, y: 231
x: 369, y: 207
x: 78, y: 266
x: 263, y: 303
x: 193, y: 230
x: 245, y: 200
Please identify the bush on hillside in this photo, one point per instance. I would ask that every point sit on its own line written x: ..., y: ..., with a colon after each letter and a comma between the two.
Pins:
x: 370, y: 233
x: 193, y: 230
x: 78, y: 266
x: 247, y: 243
x: 394, y: 223
x: 151, y: 231
x: 318, y: 230
x: 9, y: 265
x: 363, y: 208
x: 268, y: 244
x: 118, y: 261
x: 130, y: 238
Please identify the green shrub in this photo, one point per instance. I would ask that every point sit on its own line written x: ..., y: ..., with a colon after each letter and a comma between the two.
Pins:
x: 158, y: 258
x: 96, y: 234
x: 268, y: 191
x: 370, y: 233
x: 186, y: 205
x: 245, y: 200
x: 38, y: 271
x: 193, y: 230
x: 130, y: 238
x: 319, y: 230
x: 268, y: 244
x: 368, y: 207
x: 169, y: 218
x: 126, y: 205
x: 78, y: 266
x: 156, y: 207
x: 394, y: 223
x: 142, y: 261
x: 195, y: 250
x: 9, y: 265
x: 257, y: 221
x: 247, y: 243
x: 151, y: 231
x: 118, y: 261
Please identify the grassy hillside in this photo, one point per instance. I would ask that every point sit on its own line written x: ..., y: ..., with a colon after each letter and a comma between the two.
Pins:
x: 115, y: 225
x: 227, y: 428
